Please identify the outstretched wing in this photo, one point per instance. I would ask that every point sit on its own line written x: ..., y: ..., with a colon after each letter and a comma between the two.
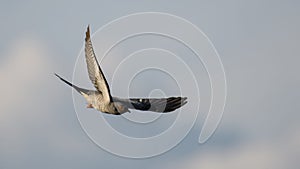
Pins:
x: 95, y: 73
x: 153, y: 104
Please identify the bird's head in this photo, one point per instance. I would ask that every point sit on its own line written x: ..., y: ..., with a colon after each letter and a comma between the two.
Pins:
x: 120, y: 108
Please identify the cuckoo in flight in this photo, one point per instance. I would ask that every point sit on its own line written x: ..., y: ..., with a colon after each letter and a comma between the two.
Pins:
x: 101, y: 99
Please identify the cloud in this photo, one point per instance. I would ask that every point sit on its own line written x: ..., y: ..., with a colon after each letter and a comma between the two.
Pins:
x: 279, y: 153
x: 32, y: 120
x: 23, y: 71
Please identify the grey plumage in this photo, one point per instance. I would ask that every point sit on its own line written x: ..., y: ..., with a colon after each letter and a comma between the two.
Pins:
x: 101, y: 99
x: 95, y: 73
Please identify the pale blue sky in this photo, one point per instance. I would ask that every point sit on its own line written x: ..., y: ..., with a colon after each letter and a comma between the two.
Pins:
x: 257, y: 42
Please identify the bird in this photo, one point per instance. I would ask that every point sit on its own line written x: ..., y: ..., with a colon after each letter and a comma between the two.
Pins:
x: 101, y: 98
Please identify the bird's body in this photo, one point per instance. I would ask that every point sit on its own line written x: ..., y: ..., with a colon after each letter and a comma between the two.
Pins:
x: 101, y: 99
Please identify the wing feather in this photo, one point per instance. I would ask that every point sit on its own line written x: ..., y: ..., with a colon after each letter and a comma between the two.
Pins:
x: 153, y: 104
x: 95, y: 73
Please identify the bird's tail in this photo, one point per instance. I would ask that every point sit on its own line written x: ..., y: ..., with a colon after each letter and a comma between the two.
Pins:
x: 78, y: 89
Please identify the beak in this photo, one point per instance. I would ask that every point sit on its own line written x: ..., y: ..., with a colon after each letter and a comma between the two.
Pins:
x: 129, y: 111
x: 89, y: 106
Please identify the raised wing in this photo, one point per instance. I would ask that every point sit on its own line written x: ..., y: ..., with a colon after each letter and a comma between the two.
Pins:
x: 95, y: 73
x: 153, y: 104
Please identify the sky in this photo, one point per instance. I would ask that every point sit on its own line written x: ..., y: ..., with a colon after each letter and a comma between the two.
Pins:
x: 257, y: 42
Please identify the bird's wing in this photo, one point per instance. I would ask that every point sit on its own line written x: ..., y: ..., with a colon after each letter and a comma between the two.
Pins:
x: 95, y: 73
x: 153, y: 104
x: 78, y: 89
